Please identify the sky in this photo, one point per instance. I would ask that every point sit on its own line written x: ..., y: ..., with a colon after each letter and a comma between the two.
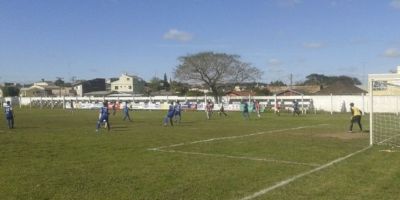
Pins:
x: 87, y: 39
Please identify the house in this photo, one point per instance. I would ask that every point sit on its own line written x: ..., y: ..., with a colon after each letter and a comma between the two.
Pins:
x: 44, y: 83
x: 62, y: 91
x: 198, y: 89
x: 108, y: 83
x: 9, y: 84
x: 99, y: 93
x: 240, y: 93
x: 388, y: 87
x: 34, y: 91
x: 129, y: 84
x: 301, y: 89
x: 94, y: 85
x: 289, y: 92
x: 44, y: 89
x: 38, y: 89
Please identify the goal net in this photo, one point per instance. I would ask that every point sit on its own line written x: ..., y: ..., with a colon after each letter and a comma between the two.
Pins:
x: 384, y: 90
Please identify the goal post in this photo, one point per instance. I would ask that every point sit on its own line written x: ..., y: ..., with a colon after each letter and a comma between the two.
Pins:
x: 384, y: 94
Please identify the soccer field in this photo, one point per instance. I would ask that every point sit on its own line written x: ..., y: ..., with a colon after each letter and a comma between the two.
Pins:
x: 56, y: 154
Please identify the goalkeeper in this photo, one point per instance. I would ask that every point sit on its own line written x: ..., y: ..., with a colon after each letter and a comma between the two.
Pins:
x: 355, y: 117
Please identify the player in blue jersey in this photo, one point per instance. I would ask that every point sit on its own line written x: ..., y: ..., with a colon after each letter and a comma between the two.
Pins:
x: 170, y: 115
x: 9, y: 115
x: 296, y: 109
x: 103, y: 117
x: 126, y: 112
x: 177, y: 114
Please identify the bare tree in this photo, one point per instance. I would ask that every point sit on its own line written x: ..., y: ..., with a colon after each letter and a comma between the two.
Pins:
x: 214, y: 70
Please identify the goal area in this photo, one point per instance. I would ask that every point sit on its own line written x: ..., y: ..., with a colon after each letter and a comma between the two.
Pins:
x: 384, y: 91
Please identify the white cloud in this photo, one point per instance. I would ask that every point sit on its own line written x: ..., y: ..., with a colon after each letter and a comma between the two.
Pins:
x: 289, y: 3
x: 395, y: 4
x: 274, y: 62
x: 313, y: 45
x: 392, y: 53
x: 174, y: 34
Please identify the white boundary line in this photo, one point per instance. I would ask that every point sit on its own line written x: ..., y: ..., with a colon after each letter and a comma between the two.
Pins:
x: 287, y: 181
x: 241, y: 157
x: 234, y: 137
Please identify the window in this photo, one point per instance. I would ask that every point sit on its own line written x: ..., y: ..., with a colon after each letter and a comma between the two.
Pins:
x: 380, y: 85
x: 127, y: 79
x: 116, y: 87
x: 130, y: 87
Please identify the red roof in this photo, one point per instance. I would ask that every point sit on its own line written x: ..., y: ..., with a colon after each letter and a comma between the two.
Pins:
x: 240, y: 93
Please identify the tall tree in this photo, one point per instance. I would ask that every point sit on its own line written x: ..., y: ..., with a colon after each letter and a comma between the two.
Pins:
x: 155, y: 84
x: 320, y: 79
x: 165, y: 82
x: 59, y: 82
x: 215, y: 69
x: 179, y: 87
x: 277, y: 83
x: 10, y: 91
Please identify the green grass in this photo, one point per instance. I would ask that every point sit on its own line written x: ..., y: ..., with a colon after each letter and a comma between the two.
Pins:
x: 56, y: 154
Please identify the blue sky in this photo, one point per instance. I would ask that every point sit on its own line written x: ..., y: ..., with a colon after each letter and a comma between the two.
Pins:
x: 104, y: 38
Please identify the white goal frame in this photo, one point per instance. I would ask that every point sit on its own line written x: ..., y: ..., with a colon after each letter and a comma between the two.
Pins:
x: 371, y: 79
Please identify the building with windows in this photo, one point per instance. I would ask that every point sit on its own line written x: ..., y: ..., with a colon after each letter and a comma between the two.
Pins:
x: 129, y: 84
x: 386, y: 84
x: 94, y: 85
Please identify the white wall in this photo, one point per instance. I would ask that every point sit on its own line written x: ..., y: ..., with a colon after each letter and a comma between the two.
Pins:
x: 320, y: 103
x: 334, y: 103
x: 79, y: 90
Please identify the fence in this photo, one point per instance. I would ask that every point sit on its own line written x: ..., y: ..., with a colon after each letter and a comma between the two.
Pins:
x: 330, y: 103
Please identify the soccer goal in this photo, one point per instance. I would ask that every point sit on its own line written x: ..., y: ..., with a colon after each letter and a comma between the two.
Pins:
x: 384, y: 91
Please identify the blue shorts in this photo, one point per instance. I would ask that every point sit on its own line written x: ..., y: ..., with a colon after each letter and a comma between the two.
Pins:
x: 170, y: 114
x: 102, y: 119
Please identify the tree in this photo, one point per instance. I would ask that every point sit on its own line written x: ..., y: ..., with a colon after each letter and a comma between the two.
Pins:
x: 179, y: 87
x: 165, y: 82
x: 155, y: 84
x: 195, y: 93
x: 277, y: 83
x: 10, y: 91
x: 320, y: 79
x: 59, y: 82
x: 261, y: 91
x: 215, y: 69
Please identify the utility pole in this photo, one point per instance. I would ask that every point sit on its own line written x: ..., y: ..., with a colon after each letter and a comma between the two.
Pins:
x: 291, y: 80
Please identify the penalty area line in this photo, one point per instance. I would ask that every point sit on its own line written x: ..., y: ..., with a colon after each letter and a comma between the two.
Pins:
x: 241, y: 158
x: 235, y: 137
x: 289, y: 180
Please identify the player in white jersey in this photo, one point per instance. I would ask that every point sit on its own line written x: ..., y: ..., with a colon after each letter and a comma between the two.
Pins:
x: 177, y: 114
